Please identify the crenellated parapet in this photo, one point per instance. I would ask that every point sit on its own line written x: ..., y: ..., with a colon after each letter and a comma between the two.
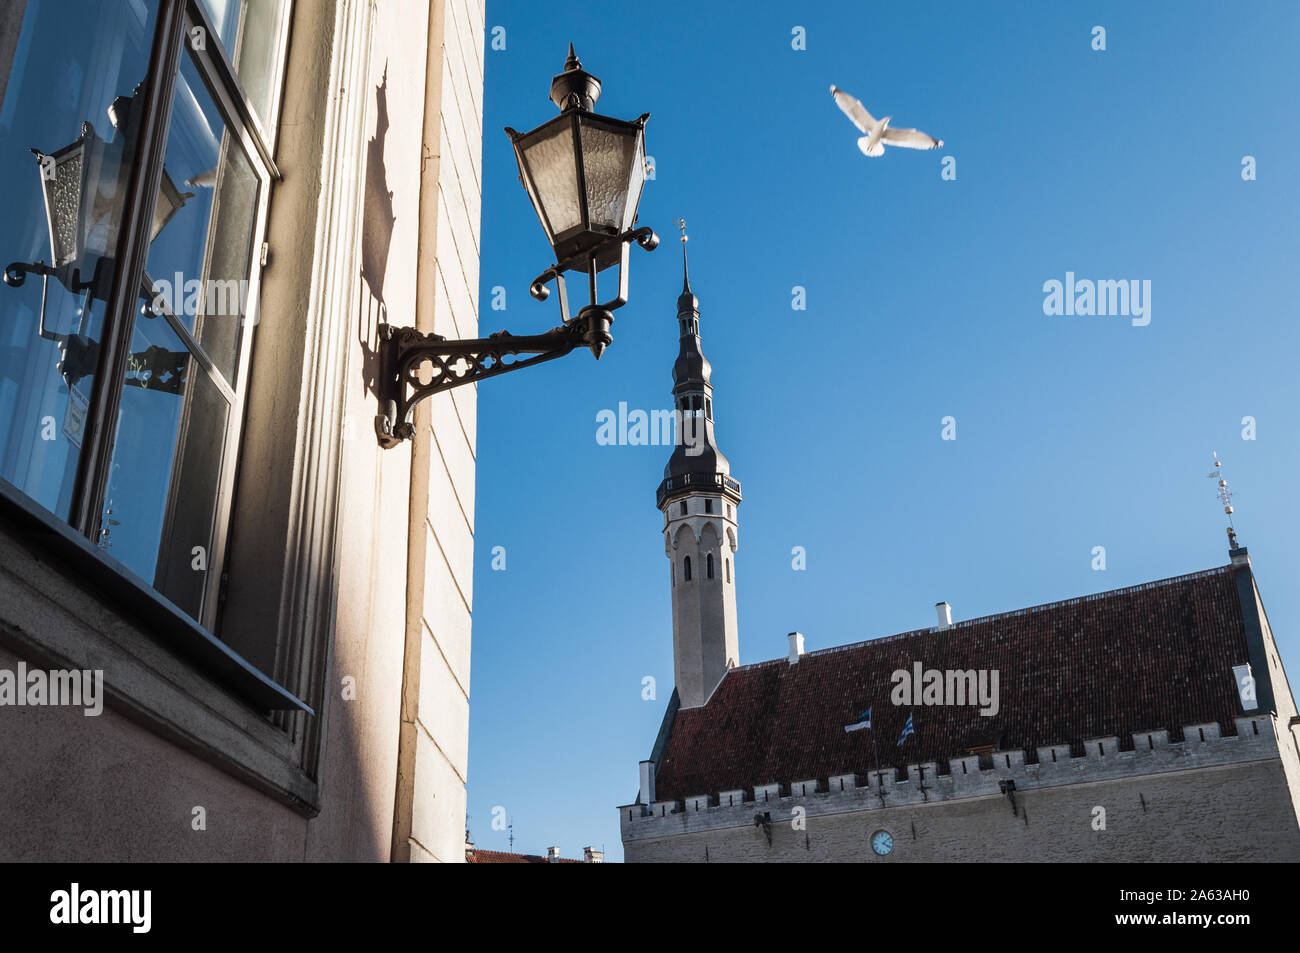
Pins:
x: 1203, y: 745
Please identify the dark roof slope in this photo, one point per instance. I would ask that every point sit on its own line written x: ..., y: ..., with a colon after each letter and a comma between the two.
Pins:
x: 1154, y: 656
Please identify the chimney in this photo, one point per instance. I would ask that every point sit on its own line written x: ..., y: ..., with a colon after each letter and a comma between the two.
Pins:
x: 647, y: 782
x: 796, y: 646
x: 592, y: 856
x: 552, y: 855
x: 945, y: 615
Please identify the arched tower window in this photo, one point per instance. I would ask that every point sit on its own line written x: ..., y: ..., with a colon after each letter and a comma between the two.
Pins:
x: 686, y: 569
x: 708, y: 565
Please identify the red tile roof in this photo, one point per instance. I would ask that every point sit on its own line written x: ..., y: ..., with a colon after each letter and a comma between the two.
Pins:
x: 477, y: 856
x: 1154, y: 656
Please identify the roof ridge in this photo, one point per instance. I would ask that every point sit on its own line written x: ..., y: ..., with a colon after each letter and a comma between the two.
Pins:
x: 1028, y: 610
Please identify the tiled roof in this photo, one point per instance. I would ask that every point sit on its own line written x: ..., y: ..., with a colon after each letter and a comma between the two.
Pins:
x: 1154, y: 656
x: 477, y: 856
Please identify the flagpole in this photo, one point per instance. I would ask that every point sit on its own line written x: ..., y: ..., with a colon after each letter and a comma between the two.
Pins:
x: 920, y: 768
x: 875, y: 756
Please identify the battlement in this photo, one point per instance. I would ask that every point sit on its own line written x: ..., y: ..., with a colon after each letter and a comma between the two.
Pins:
x: 1203, y: 745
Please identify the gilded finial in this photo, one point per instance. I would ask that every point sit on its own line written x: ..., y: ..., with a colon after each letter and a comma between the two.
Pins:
x: 1225, y: 497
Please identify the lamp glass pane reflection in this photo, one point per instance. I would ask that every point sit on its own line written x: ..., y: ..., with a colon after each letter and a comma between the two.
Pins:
x: 553, y: 171
x: 614, y: 169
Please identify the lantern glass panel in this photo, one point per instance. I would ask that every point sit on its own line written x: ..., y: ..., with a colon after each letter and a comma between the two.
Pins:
x: 63, y: 204
x: 550, y: 162
x: 614, y: 171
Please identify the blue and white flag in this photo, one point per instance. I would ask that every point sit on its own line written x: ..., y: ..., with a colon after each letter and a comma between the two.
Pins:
x: 864, y: 723
x: 907, y: 730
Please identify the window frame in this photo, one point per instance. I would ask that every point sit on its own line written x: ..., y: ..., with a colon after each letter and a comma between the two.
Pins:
x: 75, y: 540
x: 176, y: 19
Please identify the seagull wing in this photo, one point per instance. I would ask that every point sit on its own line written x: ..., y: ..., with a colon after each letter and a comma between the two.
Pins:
x: 911, y: 139
x: 854, y: 110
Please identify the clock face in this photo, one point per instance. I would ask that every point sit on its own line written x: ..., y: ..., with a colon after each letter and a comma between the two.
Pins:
x: 882, y: 842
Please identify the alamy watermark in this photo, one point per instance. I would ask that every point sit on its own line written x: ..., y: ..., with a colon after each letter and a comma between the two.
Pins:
x: 76, y: 905
x: 216, y: 297
x: 924, y: 686
x: 77, y: 688
x: 1106, y: 296
x: 655, y: 428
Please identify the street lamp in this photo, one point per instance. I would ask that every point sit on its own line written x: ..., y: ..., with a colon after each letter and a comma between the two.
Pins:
x: 584, y: 174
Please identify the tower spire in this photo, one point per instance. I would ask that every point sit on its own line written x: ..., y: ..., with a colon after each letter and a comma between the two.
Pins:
x: 699, y: 499
x: 686, y: 271
x: 687, y: 303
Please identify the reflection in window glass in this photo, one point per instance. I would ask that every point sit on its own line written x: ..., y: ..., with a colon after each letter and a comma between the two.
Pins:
x: 68, y: 69
x: 165, y: 465
x: 200, y: 273
x: 168, y: 461
x: 249, y: 31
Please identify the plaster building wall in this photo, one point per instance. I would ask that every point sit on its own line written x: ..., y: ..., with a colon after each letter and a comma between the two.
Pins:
x: 435, y: 709
x: 1183, y: 821
x: 1221, y: 799
x: 365, y: 553
x: 1286, y: 718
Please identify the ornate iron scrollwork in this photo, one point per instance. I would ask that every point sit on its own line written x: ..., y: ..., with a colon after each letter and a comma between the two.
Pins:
x: 404, y: 352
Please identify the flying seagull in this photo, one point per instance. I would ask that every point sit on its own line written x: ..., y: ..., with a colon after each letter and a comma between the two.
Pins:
x: 876, y: 132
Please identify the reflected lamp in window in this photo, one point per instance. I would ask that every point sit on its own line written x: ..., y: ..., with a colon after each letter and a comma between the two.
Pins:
x: 137, y: 189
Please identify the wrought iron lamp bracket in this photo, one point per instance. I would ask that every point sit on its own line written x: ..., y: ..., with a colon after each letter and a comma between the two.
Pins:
x: 403, y: 352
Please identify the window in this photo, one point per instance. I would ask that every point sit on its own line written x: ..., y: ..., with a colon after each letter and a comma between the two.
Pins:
x: 683, y: 507
x: 708, y: 565
x: 727, y: 563
x: 708, y: 505
x: 135, y: 231
x: 686, y: 569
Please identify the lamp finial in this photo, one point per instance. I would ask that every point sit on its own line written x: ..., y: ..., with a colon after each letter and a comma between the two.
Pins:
x: 574, y: 87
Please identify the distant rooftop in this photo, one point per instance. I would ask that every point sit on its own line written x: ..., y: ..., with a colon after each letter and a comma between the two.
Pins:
x: 1157, y: 655
x: 477, y: 856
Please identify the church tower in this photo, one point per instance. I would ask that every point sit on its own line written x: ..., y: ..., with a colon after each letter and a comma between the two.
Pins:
x: 699, y: 499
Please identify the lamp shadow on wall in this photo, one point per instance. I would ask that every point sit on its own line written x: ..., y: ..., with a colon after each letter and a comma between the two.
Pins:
x: 376, y: 237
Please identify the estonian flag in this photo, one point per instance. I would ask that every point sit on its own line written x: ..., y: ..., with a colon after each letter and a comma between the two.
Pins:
x: 907, y: 730
x: 864, y: 723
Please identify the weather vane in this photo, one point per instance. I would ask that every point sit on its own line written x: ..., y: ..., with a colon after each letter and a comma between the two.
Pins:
x: 681, y: 227
x: 1225, y: 497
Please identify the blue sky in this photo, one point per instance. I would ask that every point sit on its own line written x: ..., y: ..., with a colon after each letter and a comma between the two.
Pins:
x: 924, y: 300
